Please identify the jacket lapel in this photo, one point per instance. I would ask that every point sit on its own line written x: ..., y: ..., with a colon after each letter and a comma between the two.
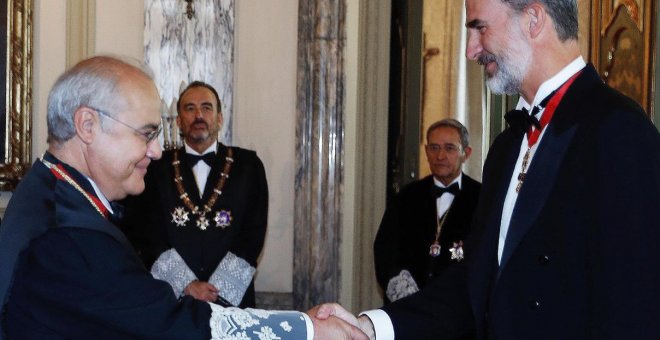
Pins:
x: 542, y: 174
x: 486, y: 226
x: 189, y: 183
x: 539, y: 181
x: 72, y: 210
x: 216, y: 170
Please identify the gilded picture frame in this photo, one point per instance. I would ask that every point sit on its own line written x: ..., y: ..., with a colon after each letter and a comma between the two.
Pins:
x: 622, y: 47
x: 16, y: 114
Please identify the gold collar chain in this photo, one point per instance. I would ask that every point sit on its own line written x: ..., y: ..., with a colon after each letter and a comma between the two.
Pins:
x: 202, y: 222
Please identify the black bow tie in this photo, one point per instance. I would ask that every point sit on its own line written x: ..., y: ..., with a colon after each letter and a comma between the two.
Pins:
x: 521, y: 120
x: 207, y: 158
x: 452, y: 189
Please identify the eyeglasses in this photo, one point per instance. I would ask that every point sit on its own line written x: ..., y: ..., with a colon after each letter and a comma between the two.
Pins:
x: 449, y: 148
x: 148, y: 136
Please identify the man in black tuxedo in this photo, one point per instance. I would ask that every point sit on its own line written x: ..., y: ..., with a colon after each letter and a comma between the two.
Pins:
x: 564, y: 244
x: 201, y: 222
x: 423, y: 229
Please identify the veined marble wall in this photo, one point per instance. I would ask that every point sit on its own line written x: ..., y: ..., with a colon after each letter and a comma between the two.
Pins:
x: 180, y: 50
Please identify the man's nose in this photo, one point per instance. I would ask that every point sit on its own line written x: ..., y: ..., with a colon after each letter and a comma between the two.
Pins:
x: 198, y: 113
x: 473, y: 47
x: 154, y: 151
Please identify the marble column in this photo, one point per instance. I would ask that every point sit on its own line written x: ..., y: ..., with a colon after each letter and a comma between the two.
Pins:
x: 191, y: 41
x: 319, y: 152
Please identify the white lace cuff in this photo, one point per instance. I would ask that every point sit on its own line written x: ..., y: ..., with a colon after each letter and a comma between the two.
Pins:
x: 232, y: 277
x: 401, y: 286
x: 171, y: 268
x: 236, y: 323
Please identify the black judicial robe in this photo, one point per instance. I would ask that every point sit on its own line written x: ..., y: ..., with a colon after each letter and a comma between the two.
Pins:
x: 408, y: 229
x: 79, y: 277
x: 581, y: 256
x: 149, y: 222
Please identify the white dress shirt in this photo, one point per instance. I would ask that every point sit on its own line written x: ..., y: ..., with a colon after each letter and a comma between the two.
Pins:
x: 443, y: 202
x: 100, y: 195
x: 201, y: 170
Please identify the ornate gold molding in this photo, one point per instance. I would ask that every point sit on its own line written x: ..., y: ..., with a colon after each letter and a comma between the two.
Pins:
x: 622, y: 47
x: 18, y: 97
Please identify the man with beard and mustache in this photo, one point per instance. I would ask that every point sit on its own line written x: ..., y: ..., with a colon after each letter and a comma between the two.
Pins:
x: 564, y: 238
x: 201, y: 222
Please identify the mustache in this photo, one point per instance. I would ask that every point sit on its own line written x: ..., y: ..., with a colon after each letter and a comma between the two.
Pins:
x: 486, y: 58
x: 200, y: 121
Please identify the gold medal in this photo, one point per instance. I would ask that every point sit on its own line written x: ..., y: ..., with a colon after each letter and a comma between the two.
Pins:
x: 434, y: 250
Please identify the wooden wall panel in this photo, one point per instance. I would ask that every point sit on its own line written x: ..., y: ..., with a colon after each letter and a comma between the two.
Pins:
x: 622, y: 46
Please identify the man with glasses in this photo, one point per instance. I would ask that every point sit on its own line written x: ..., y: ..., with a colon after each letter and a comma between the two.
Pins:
x: 201, y: 222
x: 424, y: 226
x: 66, y: 271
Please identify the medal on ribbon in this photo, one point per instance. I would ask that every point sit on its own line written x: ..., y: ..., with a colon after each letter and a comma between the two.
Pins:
x: 434, y: 250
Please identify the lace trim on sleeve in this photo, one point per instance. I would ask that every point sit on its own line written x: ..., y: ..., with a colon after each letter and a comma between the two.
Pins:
x: 232, y: 277
x: 401, y: 286
x: 171, y: 268
x: 236, y: 323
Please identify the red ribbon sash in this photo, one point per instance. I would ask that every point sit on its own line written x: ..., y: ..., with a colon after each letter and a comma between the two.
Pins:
x: 94, y: 200
x: 533, y: 134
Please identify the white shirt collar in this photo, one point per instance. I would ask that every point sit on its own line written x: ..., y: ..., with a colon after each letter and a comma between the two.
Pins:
x: 553, y: 83
x: 212, y: 148
x: 458, y: 180
x: 100, y: 195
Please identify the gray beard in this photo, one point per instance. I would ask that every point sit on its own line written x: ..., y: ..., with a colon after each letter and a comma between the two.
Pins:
x: 504, y: 82
x: 513, y: 65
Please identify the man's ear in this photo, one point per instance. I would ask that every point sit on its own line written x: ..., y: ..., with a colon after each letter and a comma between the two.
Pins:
x: 220, y: 119
x: 467, y: 152
x: 537, y: 18
x: 85, y: 121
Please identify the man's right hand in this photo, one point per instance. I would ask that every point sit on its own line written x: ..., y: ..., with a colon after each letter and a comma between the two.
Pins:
x: 329, y: 311
x: 202, y: 291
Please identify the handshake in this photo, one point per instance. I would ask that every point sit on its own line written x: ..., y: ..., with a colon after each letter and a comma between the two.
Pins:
x: 332, y: 321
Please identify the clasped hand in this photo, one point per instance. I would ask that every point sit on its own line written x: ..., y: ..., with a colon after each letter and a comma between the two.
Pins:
x: 202, y: 291
x: 332, y: 321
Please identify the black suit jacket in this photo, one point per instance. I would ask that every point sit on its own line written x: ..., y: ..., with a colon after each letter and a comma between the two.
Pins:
x: 581, y: 256
x: 149, y: 223
x: 408, y: 229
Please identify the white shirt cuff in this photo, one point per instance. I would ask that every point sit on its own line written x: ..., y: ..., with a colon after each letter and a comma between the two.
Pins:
x: 382, y: 324
x: 310, y: 326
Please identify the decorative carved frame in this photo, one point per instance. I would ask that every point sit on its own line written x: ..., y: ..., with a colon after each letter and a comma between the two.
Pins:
x: 17, y: 120
x: 622, y: 38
